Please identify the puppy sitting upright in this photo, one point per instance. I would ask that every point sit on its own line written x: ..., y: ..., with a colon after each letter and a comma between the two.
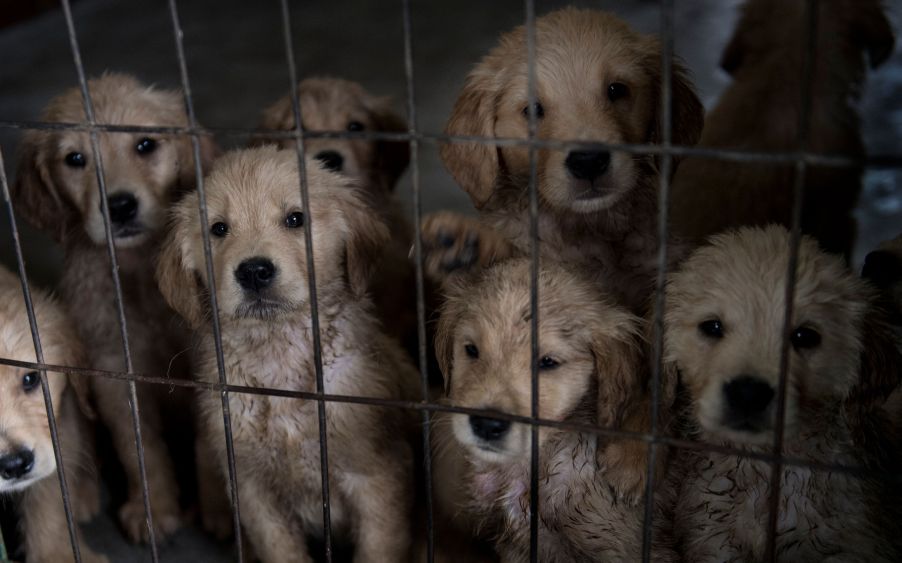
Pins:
x: 56, y: 190
x: 27, y: 462
x: 260, y: 268
x: 724, y: 327
x: 590, y: 372
x: 596, y: 80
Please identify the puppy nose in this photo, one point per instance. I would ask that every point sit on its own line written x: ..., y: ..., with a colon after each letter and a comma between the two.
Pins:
x: 331, y: 160
x: 748, y: 396
x: 587, y: 165
x: 123, y: 207
x: 255, y: 273
x: 16, y: 464
x: 489, y: 429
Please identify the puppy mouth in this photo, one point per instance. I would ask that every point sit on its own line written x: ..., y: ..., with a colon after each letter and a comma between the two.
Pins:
x: 586, y: 190
x: 262, y: 308
x: 128, y: 231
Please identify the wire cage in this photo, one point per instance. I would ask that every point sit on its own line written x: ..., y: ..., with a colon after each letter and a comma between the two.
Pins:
x: 801, y: 159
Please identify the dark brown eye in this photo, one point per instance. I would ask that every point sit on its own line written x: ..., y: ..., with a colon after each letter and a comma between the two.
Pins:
x: 540, y: 111
x: 294, y: 220
x: 548, y: 363
x: 146, y: 146
x: 617, y: 90
x: 76, y: 160
x: 711, y: 328
x: 804, y: 338
x: 472, y: 351
x: 30, y: 381
x: 219, y: 229
x: 356, y: 126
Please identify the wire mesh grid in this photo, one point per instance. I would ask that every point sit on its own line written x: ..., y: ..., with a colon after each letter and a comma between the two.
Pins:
x: 801, y: 159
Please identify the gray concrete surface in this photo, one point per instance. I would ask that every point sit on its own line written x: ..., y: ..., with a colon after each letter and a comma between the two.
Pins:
x: 236, y: 63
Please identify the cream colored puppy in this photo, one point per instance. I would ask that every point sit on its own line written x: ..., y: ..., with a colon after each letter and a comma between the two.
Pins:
x: 724, y: 335
x: 260, y: 266
x: 27, y: 462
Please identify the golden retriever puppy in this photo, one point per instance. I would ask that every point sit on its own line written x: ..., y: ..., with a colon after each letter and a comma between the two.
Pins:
x: 56, y: 190
x: 760, y: 111
x: 260, y: 268
x: 590, y: 372
x: 723, y: 336
x: 27, y: 461
x: 597, y: 80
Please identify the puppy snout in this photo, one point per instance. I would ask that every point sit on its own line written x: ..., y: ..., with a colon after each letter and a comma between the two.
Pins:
x: 587, y: 165
x: 489, y: 429
x: 16, y: 464
x: 255, y: 274
x: 331, y: 160
x: 748, y: 396
x: 123, y: 207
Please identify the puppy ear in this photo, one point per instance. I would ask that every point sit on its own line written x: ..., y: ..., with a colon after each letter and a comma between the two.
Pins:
x: 81, y: 386
x: 177, y: 280
x: 392, y: 157
x: 279, y: 117
x: 474, y: 165
x: 881, y: 361
x: 873, y: 32
x: 366, y: 240
x: 34, y: 195
x: 209, y: 150
x: 621, y: 372
x: 687, y: 111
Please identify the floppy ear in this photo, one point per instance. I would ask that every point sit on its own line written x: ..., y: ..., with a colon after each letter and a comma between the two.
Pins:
x: 34, y: 195
x: 881, y: 361
x: 687, y: 111
x: 873, y: 32
x: 187, y: 180
x: 178, y: 282
x: 474, y: 165
x: 81, y: 386
x: 621, y: 374
x: 392, y: 157
x: 366, y: 239
x: 444, y: 343
x: 279, y: 117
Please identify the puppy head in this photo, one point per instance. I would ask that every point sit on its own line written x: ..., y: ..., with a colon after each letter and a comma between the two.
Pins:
x: 586, y: 356
x: 333, y: 104
x: 767, y: 28
x: 724, y: 332
x: 26, y: 451
x: 256, y: 226
x: 56, y: 182
x: 596, y: 80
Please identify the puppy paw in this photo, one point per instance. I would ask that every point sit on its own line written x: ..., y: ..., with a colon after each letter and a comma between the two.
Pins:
x: 453, y: 243
x: 166, y: 521
x: 626, y: 469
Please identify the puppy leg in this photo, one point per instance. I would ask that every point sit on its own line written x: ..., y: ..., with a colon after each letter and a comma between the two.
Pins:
x: 45, y: 529
x: 454, y: 242
x: 270, y: 532
x: 112, y: 405
x: 381, y: 503
x: 212, y: 492
x: 82, y: 468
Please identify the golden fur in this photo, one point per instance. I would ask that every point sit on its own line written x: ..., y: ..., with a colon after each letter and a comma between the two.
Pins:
x: 721, y: 512
x: 24, y: 425
x: 760, y: 111
x: 607, y: 224
x: 267, y: 342
x: 591, y: 372
x: 64, y: 201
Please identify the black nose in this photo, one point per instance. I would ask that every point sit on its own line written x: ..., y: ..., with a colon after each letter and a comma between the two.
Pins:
x: 748, y: 396
x: 883, y: 268
x: 587, y: 165
x: 255, y: 273
x: 16, y: 464
x: 489, y: 429
x: 331, y: 160
x: 123, y: 207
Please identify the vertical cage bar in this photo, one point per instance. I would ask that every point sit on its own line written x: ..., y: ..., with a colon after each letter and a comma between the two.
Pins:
x: 808, y: 48
x: 311, y: 275
x: 667, y: 11
x: 208, y: 263
x: 39, y: 357
x: 114, y: 267
x: 418, y: 265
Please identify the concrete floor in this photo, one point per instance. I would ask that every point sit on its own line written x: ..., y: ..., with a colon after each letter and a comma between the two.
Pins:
x: 236, y: 63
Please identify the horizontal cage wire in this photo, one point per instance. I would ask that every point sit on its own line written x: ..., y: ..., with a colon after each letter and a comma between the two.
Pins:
x: 801, y: 159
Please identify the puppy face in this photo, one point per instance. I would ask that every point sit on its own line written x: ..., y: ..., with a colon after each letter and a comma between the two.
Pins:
x: 484, y: 344
x: 56, y: 184
x: 724, y: 332
x: 256, y: 226
x: 596, y: 80
x: 331, y: 104
x: 26, y: 451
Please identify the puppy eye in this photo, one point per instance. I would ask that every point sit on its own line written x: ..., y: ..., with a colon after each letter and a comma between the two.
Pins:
x: 471, y: 350
x: 294, y: 220
x: 540, y: 111
x: 146, y: 146
x: 804, y: 338
x: 356, y: 126
x: 548, y: 363
x: 617, y: 90
x: 30, y: 381
x: 712, y: 328
x: 219, y: 229
x: 76, y: 160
